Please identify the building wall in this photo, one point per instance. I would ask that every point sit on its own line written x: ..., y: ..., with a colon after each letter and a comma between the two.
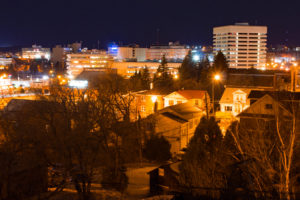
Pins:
x: 175, y: 98
x: 36, y: 52
x: 76, y: 62
x: 244, y: 46
x: 178, y: 134
x: 144, y: 104
x: 125, y: 53
x: 4, y: 62
x: 170, y: 53
x: 128, y: 69
x: 238, y: 104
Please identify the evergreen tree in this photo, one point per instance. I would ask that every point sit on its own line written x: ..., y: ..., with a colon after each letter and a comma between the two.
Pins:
x: 163, y: 81
x: 203, y: 164
x: 220, y: 63
x: 157, y: 149
x: 145, y: 79
x: 135, y: 81
x: 187, y: 68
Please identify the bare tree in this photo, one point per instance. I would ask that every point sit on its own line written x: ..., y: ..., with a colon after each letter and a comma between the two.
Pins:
x: 265, y: 148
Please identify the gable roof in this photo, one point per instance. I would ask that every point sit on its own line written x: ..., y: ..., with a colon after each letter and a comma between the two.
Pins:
x: 185, y: 111
x: 247, y: 112
x: 174, y: 117
x: 192, y: 94
x: 227, y: 96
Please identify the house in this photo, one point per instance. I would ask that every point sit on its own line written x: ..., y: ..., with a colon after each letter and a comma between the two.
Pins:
x: 267, y: 106
x: 198, y: 98
x: 147, y: 101
x: 164, y: 179
x: 177, y: 124
x: 235, y: 100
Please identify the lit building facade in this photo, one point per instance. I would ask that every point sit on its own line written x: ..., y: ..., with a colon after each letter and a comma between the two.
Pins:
x: 36, y: 52
x: 173, y: 51
x: 4, y: 62
x: 127, y: 53
x: 77, y: 62
x: 59, y: 52
x: 127, y: 69
x: 243, y: 45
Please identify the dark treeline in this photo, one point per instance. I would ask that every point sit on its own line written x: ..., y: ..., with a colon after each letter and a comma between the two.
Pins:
x: 256, y: 159
x: 73, y: 138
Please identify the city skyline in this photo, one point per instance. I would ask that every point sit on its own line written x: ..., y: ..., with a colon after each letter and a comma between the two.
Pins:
x: 54, y: 22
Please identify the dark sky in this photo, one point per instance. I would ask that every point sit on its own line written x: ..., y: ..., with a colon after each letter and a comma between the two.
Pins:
x: 50, y: 22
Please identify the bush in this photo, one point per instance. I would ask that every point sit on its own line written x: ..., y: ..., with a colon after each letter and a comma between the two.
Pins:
x: 157, y: 148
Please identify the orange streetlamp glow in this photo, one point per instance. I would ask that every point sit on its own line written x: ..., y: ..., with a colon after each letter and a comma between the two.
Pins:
x: 154, y: 98
x: 217, y: 77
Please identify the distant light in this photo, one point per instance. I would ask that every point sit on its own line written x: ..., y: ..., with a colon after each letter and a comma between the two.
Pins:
x: 45, y: 77
x: 217, y: 77
x: 154, y: 98
x: 78, y: 83
x: 196, y: 57
x: 37, y: 56
x: 70, y: 76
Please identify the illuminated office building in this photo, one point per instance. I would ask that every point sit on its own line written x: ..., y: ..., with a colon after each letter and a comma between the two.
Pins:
x: 243, y: 45
x: 77, y: 62
x: 36, y: 52
x: 173, y: 52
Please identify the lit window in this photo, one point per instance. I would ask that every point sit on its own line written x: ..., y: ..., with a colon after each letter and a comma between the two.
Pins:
x: 143, y: 109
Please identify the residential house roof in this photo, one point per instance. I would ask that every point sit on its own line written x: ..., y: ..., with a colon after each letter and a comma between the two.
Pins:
x: 288, y: 105
x: 192, y: 94
x: 150, y: 92
x: 250, y: 80
x: 227, y: 96
x: 174, y: 117
x: 185, y: 111
x: 290, y: 100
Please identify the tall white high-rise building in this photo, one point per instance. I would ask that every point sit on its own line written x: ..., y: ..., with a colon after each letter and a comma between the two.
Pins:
x: 243, y: 45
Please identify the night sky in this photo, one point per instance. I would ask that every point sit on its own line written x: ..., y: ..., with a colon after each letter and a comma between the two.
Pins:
x: 45, y: 22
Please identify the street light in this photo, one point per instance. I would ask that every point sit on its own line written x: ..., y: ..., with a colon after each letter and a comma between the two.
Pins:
x: 217, y: 77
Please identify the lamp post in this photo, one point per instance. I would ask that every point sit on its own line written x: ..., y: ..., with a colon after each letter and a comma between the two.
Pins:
x: 216, y: 77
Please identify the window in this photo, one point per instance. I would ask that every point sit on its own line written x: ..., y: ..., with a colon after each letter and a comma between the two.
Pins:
x: 228, y: 108
x: 179, y: 102
x: 269, y: 106
x: 143, y: 109
x: 196, y: 102
x: 171, y: 102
